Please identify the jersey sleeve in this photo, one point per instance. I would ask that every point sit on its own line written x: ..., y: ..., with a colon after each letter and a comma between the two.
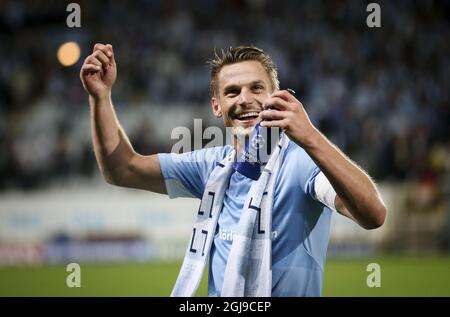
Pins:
x: 314, y: 183
x: 324, y: 191
x: 186, y: 174
x: 310, y: 179
x: 307, y: 170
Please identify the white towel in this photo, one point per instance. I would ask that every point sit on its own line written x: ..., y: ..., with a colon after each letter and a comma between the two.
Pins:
x: 249, y: 267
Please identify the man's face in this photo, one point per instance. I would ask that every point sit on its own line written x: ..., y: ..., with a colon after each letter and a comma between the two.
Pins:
x: 242, y: 90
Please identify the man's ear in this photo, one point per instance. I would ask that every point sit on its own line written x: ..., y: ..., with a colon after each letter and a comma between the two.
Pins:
x: 216, y: 108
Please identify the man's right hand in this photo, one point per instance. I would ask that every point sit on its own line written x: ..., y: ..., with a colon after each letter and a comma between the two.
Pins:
x: 99, y: 71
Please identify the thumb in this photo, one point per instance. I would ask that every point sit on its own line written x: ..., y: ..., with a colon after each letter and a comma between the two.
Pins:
x: 111, y: 52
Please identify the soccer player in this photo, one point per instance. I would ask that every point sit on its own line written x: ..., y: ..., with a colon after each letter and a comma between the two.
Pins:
x: 313, y: 178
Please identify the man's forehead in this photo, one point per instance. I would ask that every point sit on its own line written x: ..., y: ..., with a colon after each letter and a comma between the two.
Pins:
x: 242, y: 73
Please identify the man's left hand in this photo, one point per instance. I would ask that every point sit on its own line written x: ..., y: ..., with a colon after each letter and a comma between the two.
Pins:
x: 288, y: 113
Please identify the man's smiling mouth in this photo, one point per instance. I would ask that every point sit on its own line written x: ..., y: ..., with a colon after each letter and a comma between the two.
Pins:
x: 247, y: 116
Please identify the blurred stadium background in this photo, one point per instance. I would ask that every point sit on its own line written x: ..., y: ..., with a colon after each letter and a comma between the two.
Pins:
x: 381, y: 94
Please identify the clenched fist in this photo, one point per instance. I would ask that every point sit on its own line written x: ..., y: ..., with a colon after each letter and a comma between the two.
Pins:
x: 99, y: 71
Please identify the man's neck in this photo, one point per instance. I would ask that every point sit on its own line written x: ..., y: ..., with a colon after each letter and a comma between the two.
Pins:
x: 239, y: 138
x: 237, y: 145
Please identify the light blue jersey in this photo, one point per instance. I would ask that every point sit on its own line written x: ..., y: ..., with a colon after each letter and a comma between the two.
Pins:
x: 300, y: 224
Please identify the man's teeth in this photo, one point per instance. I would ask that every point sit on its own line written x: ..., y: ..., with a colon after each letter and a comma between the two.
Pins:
x: 248, y: 114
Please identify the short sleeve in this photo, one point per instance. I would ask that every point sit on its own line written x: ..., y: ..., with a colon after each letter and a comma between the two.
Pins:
x: 306, y: 167
x: 309, y: 174
x: 186, y: 174
x: 309, y: 187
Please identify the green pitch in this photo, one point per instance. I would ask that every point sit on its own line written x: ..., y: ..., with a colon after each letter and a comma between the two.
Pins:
x: 400, y: 276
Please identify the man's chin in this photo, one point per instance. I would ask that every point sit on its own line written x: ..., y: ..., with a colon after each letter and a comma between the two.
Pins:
x: 244, y: 128
x: 241, y: 131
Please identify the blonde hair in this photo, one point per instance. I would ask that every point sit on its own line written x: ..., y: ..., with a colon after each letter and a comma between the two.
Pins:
x: 240, y: 54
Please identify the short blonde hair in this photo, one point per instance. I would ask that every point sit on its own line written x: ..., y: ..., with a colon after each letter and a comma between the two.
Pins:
x: 240, y: 54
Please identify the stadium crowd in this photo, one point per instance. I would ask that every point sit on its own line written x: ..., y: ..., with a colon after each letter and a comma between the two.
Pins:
x: 381, y: 94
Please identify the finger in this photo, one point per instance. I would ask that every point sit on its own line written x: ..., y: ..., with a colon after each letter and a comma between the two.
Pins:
x: 86, y: 73
x: 98, y: 47
x: 106, y: 49
x: 276, y: 103
x: 93, y: 60
x: 110, y: 52
x: 272, y: 115
x: 285, y: 95
x: 274, y: 124
x: 102, y: 58
x: 89, y: 68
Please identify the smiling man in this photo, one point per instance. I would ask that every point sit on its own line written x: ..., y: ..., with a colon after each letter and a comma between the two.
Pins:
x: 264, y: 237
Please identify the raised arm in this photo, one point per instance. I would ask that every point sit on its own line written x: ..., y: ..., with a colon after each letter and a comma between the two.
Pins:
x: 357, y: 196
x: 118, y: 162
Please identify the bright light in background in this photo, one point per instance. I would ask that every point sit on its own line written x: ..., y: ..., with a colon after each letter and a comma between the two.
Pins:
x: 68, y: 53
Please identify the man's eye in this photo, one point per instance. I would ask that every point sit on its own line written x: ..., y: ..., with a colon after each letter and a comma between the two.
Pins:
x: 231, y: 93
x: 258, y: 88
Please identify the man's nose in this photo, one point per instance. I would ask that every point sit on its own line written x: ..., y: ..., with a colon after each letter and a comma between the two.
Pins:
x: 245, y: 96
